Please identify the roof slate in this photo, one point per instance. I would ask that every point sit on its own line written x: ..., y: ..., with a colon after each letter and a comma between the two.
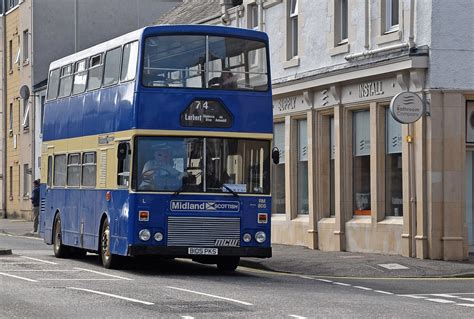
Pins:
x: 192, y: 11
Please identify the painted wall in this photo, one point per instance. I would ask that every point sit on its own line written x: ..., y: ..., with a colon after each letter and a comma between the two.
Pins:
x: 97, y: 21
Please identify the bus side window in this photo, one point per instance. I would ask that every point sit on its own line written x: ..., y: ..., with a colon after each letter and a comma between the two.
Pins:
x: 112, y: 66
x: 50, y: 171
x: 89, y: 169
x: 95, y: 72
x: 123, y: 161
x: 74, y: 170
x: 65, y: 82
x: 129, y: 61
x: 59, y: 170
x: 53, y: 84
x: 80, y: 77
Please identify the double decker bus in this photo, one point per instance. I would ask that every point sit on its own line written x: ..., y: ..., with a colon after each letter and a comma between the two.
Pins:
x: 158, y: 142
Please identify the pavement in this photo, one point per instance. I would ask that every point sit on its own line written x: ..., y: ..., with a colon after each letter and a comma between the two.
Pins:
x: 305, y: 261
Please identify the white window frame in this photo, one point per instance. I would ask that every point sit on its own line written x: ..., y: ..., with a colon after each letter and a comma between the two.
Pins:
x: 26, y: 55
x: 343, y: 17
x: 292, y: 35
x: 389, y: 17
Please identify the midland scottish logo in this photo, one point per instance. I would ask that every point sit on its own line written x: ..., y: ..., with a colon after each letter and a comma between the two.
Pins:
x: 204, y: 206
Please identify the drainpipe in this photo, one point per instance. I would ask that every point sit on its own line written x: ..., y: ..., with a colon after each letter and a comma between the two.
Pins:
x: 411, y: 37
x: 4, y: 118
x: 367, y: 53
x: 261, y: 24
x: 367, y: 25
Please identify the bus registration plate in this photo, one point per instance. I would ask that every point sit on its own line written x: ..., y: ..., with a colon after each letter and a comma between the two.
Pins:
x: 202, y: 251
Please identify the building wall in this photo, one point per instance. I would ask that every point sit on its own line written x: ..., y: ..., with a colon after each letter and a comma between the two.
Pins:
x: 327, y: 80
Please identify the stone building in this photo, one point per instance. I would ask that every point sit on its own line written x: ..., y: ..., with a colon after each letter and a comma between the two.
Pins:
x: 35, y: 33
x: 351, y: 178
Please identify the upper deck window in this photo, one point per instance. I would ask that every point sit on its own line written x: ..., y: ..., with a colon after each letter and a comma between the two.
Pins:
x: 53, y: 84
x: 112, y: 66
x: 95, y: 72
x: 198, y: 61
x: 80, y: 77
x: 129, y: 61
x: 65, y: 83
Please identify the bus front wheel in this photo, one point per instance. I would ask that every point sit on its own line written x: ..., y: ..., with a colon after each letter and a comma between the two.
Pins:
x: 108, y: 260
x: 59, y: 249
x: 228, y: 263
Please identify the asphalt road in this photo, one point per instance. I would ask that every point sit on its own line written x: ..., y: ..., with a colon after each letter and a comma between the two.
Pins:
x: 34, y: 284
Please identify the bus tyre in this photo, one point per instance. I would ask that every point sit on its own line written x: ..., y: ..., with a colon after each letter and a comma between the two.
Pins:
x: 108, y: 260
x: 228, y: 263
x: 59, y: 249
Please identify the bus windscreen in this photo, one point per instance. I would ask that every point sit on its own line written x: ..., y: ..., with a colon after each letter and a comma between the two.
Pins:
x: 197, y: 164
x: 198, y: 61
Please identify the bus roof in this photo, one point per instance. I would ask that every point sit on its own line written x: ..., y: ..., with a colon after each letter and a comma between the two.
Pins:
x: 166, y: 29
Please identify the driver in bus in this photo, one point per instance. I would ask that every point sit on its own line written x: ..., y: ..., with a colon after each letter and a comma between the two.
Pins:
x: 159, y: 173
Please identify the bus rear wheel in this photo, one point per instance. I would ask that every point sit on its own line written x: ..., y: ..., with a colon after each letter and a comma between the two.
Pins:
x: 228, y: 263
x: 109, y: 260
x: 60, y: 250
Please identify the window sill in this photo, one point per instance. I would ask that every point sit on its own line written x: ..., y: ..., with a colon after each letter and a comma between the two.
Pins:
x: 271, y: 3
x: 391, y: 220
x: 388, y: 37
x: 295, y: 61
x: 340, y: 49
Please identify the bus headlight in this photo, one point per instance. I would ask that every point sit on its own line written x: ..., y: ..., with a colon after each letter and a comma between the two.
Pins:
x: 144, y: 234
x: 247, y: 238
x: 158, y: 236
x: 260, y: 237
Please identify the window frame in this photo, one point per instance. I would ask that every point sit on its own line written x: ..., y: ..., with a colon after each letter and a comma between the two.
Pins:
x: 76, y: 73
x: 93, y: 68
x: 73, y: 165
x: 49, y: 82
x: 292, y: 34
x: 121, y: 165
x: 119, y: 66
x: 389, y: 26
x: 26, y: 53
x: 84, y: 163
x: 62, y: 77
x: 56, y: 173
x: 137, y: 62
x: 343, y: 21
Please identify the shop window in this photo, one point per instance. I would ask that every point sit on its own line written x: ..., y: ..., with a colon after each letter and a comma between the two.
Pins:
x: 393, y: 167
x: 361, y: 162
x: 278, y: 172
x: 302, y: 167
x: 332, y: 167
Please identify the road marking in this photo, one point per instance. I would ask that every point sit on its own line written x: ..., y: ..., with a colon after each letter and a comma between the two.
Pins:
x: 440, y: 300
x: 325, y: 280
x: 112, y: 295
x: 18, y: 277
x: 187, y: 317
x: 363, y: 288
x: 384, y: 292
x: 103, y: 273
x: 43, y: 261
x: 18, y: 236
x: 413, y: 296
x: 295, y: 316
x: 213, y: 296
x: 305, y: 277
x: 341, y: 284
x: 466, y: 299
x: 393, y: 266
x: 39, y: 270
x: 79, y: 279
x: 466, y: 304
x: 443, y: 295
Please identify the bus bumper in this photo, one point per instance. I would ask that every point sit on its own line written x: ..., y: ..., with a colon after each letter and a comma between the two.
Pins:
x: 258, y: 252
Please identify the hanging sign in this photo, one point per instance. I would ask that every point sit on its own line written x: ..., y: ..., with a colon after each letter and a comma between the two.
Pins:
x: 206, y: 113
x: 406, y: 107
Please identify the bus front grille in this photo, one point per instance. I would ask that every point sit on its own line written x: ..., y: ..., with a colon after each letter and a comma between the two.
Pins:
x: 203, y: 231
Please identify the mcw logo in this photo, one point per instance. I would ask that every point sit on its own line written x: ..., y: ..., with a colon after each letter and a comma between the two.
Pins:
x: 227, y: 242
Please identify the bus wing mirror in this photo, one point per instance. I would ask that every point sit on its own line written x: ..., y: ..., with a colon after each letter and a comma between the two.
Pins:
x: 122, y: 151
x: 276, y: 155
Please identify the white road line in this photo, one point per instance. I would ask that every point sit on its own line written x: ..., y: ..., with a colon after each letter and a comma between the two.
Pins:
x: 440, y: 300
x: 443, y: 295
x: 213, y: 296
x: 17, y: 236
x: 466, y: 304
x: 341, y: 284
x: 363, y: 288
x: 384, y: 292
x: 103, y: 273
x: 324, y: 280
x: 187, y: 317
x: 305, y: 277
x: 39, y: 270
x: 295, y: 316
x: 112, y: 295
x: 43, y: 261
x: 79, y: 279
x: 466, y: 299
x: 17, y: 277
x: 413, y: 296
x: 21, y: 263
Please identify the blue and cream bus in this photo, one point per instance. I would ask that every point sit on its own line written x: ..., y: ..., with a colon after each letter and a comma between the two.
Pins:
x: 158, y: 142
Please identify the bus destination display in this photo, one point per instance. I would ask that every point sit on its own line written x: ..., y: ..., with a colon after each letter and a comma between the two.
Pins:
x: 206, y: 113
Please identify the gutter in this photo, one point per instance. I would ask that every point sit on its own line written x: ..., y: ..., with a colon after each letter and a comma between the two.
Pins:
x: 4, y: 120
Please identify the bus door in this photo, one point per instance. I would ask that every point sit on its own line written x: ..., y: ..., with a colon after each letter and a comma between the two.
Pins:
x: 46, y: 204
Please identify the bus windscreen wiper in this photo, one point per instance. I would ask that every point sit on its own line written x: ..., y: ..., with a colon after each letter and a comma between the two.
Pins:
x: 230, y: 190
